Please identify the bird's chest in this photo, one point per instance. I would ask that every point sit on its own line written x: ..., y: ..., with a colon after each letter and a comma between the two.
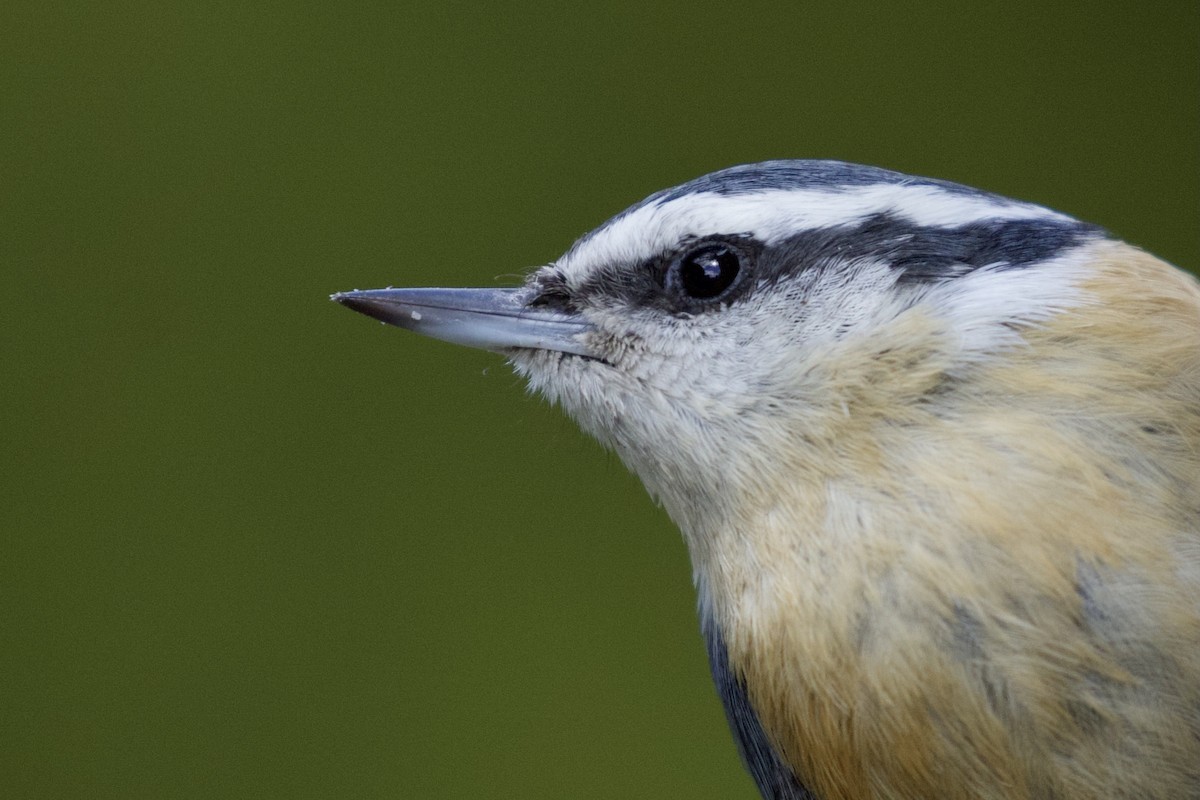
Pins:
x: 845, y: 706
x: 843, y: 674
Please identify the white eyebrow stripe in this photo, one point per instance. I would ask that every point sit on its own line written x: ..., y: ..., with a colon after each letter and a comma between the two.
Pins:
x: 772, y: 215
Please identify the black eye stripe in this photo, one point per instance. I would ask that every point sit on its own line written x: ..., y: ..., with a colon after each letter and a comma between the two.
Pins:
x: 717, y: 269
x: 915, y: 252
x: 926, y: 253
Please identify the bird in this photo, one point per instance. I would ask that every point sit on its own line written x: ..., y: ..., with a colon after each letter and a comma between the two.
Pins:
x: 935, y: 455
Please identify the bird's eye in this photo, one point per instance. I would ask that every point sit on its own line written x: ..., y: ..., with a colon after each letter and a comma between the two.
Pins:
x: 707, y: 271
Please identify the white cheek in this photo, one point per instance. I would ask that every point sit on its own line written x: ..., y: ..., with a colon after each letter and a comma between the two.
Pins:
x: 677, y: 370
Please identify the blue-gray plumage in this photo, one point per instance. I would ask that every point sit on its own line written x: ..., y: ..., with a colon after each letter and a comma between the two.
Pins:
x: 936, y: 457
x: 791, y: 174
x: 774, y: 778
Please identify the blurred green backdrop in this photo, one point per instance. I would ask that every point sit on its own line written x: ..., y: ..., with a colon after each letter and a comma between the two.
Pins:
x: 256, y: 546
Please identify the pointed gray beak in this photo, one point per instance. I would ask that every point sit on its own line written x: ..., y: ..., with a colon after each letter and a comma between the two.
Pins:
x: 492, y: 319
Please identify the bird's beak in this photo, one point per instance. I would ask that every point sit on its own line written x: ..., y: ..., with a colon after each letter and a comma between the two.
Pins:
x: 492, y: 319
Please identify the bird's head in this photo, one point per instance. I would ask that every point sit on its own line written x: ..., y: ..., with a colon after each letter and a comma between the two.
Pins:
x: 933, y: 453
x: 758, y: 313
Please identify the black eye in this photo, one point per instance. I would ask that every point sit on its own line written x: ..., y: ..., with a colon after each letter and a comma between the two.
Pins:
x: 707, y: 271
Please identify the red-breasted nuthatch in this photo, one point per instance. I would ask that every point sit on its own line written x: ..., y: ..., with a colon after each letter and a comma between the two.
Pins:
x: 936, y: 457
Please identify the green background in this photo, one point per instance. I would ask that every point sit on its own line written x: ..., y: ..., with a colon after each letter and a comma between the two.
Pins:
x: 255, y: 545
